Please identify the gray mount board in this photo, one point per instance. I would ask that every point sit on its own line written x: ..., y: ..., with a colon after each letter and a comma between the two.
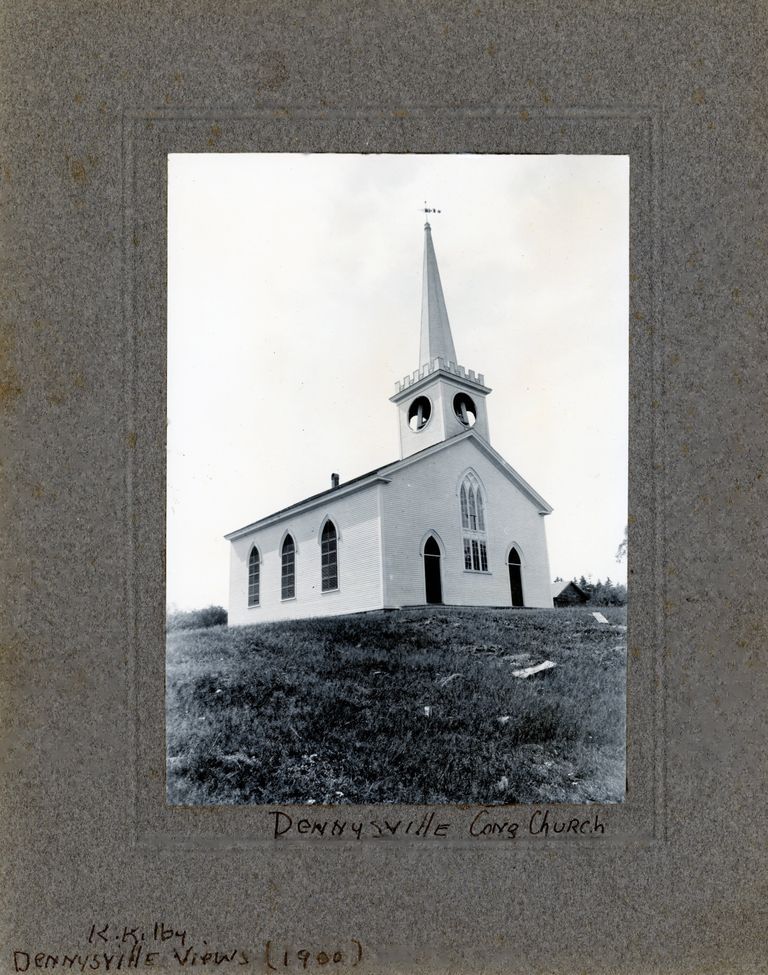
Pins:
x: 94, y: 96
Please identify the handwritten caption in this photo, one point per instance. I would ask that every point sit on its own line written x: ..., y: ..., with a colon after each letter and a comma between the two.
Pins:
x: 483, y: 824
x: 111, y: 948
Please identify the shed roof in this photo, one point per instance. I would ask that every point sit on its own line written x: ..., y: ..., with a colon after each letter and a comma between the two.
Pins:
x: 560, y: 587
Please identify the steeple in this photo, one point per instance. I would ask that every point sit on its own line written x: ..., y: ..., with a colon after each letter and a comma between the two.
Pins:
x: 436, y: 339
x: 440, y: 399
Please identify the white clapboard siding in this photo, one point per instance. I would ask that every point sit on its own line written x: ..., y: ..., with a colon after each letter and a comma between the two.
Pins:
x: 424, y: 497
x: 356, y: 517
x: 382, y: 528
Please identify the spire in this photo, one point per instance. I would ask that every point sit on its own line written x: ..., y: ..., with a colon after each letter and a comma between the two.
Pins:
x: 436, y: 340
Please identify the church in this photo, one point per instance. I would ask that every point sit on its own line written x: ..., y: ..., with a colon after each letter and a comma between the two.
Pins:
x: 449, y: 522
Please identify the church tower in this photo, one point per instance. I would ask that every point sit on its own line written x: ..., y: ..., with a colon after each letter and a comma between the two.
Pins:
x: 440, y: 399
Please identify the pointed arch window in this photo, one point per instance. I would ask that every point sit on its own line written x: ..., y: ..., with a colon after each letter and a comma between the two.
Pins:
x: 475, y: 541
x: 288, y: 568
x: 464, y: 507
x: 329, y: 557
x: 254, y: 577
x: 472, y: 510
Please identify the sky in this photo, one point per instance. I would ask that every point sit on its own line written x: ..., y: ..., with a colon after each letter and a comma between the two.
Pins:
x: 294, y: 301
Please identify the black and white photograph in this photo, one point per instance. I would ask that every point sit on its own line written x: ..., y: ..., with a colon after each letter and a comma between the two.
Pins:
x: 397, y: 435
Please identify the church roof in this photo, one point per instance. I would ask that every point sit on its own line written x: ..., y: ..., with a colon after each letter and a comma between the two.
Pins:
x: 436, y: 339
x: 381, y: 474
x: 353, y: 484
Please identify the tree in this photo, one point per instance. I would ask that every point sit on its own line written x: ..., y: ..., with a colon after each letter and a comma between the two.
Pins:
x: 621, y: 551
x: 606, y: 593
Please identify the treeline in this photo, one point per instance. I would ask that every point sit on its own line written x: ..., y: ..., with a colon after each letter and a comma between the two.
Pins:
x: 195, y: 619
x: 606, y: 593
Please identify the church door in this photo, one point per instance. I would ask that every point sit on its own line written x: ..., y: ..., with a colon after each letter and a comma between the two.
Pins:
x: 515, y: 578
x: 432, y: 582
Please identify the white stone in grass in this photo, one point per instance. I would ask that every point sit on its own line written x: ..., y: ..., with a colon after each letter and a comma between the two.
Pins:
x: 503, y: 718
x: 503, y: 783
x: 444, y: 681
x: 538, y: 669
x: 600, y: 618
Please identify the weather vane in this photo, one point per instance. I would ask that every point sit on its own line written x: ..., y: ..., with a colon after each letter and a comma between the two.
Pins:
x: 427, y: 209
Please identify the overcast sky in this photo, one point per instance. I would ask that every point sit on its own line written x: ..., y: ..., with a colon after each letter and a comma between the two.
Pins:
x: 294, y: 290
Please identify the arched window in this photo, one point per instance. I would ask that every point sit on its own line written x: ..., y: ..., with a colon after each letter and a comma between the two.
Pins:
x: 329, y: 557
x: 472, y: 510
x: 433, y: 586
x: 475, y: 542
x: 254, y: 577
x: 480, y: 511
x: 288, y: 569
x: 464, y: 507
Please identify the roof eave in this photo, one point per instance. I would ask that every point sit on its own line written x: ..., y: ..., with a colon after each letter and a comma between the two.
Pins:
x: 381, y: 477
x: 545, y: 508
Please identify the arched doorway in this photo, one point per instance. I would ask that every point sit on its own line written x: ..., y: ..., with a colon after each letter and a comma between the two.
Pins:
x: 515, y: 577
x: 432, y: 583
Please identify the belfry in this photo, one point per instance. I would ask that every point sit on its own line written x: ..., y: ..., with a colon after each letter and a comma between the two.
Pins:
x: 449, y: 522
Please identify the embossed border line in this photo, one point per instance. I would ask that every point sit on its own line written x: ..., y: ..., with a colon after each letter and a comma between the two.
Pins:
x: 232, y: 827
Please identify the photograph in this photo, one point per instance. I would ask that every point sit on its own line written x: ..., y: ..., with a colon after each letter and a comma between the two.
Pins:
x: 397, y: 442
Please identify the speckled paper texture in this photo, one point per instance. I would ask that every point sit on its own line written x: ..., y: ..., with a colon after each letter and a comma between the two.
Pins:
x: 96, y: 866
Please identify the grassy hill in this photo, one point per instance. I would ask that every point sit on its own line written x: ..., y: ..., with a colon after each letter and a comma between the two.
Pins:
x: 411, y: 706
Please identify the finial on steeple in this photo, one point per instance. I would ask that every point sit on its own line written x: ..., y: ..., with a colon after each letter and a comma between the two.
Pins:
x: 426, y: 209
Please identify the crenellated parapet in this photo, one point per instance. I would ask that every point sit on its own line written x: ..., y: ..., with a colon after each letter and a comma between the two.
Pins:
x: 435, y: 365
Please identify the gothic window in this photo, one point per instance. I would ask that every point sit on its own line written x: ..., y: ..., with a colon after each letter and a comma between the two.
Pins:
x: 483, y: 557
x: 472, y: 510
x: 288, y: 569
x: 433, y: 585
x: 254, y: 573
x: 329, y: 558
x: 475, y: 542
x: 467, y: 554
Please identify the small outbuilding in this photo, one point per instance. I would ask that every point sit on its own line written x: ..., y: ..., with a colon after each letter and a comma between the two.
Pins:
x: 568, y: 594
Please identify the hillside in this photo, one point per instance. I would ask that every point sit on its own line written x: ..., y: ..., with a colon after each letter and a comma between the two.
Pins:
x: 411, y: 706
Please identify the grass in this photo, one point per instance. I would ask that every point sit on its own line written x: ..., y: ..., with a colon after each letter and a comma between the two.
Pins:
x: 333, y: 710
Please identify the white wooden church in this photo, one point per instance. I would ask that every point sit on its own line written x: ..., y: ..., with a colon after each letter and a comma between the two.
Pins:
x: 449, y: 522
